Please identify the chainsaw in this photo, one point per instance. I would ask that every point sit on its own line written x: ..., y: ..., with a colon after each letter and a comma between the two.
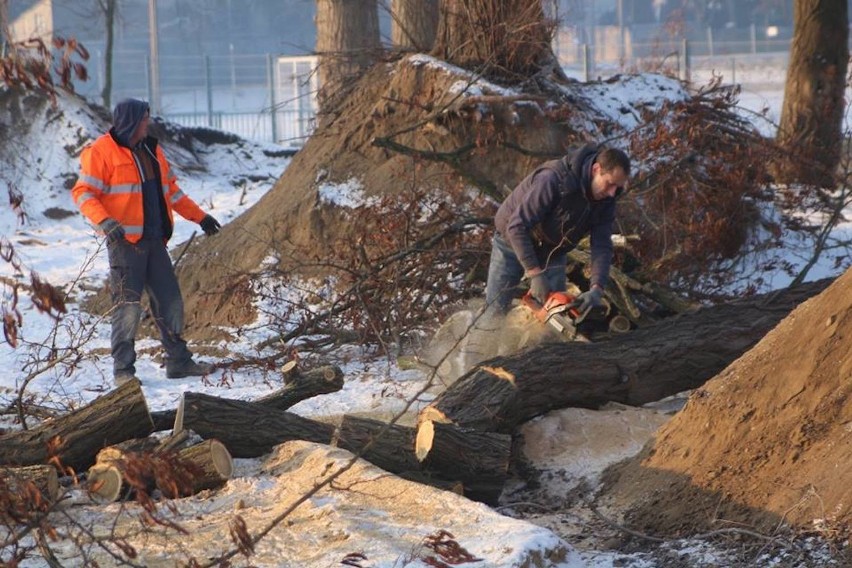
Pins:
x: 558, y: 311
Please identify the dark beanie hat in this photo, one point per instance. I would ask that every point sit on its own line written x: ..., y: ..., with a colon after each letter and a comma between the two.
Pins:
x: 126, y: 116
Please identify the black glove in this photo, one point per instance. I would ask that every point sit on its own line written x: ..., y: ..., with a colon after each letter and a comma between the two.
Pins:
x: 539, y: 287
x: 209, y: 225
x: 112, y: 229
x: 588, y: 300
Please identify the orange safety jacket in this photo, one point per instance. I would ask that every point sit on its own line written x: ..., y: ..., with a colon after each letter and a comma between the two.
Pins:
x: 110, y: 185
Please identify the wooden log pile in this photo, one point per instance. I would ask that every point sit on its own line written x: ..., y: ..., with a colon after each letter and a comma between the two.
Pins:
x: 462, y: 441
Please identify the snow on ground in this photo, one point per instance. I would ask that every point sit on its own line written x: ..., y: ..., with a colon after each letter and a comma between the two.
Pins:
x: 66, y: 252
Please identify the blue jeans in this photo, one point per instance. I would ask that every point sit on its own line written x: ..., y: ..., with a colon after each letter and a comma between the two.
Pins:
x: 133, y: 268
x: 505, y: 273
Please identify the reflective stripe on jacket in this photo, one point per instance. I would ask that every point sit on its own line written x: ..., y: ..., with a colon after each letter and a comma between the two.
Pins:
x: 110, y: 185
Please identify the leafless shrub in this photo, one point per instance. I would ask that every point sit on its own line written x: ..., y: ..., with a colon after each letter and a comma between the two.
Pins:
x: 31, y: 65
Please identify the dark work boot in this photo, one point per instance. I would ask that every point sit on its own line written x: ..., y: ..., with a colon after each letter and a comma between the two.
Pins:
x: 122, y: 377
x: 189, y: 369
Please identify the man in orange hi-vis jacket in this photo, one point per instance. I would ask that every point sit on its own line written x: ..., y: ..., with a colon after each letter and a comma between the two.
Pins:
x: 128, y: 191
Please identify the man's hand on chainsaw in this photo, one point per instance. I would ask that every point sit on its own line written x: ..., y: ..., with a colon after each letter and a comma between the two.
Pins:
x: 539, y: 287
x: 588, y: 300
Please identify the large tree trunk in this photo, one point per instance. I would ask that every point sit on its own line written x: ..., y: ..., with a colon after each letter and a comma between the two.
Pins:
x: 509, y: 38
x: 248, y: 429
x: 479, y: 461
x: 642, y: 366
x: 811, y: 128
x: 300, y: 385
x: 414, y: 24
x: 347, y: 44
x: 75, y: 438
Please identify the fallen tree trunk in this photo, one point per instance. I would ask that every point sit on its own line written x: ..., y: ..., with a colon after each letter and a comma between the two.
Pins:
x: 642, y: 366
x: 76, y: 437
x: 479, y: 461
x: 248, y: 429
x: 300, y: 385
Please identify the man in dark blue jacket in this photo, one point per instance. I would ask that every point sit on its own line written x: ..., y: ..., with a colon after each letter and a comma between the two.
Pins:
x: 546, y: 215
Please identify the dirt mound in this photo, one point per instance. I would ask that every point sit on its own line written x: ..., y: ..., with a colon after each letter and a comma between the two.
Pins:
x: 766, y: 441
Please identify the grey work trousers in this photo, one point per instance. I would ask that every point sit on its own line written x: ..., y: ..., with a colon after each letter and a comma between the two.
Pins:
x: 505, y: 272
x: 147, y: 266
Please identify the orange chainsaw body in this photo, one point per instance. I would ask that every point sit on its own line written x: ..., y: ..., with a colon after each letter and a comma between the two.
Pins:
x: 557, y: 311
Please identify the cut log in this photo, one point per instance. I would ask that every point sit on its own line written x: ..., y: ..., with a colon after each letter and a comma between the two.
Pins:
x: 105, y: 482
x: 16, y: 480
x: 479, y: 461
x: 300, y: 385
x: 642, y: 366
x: 147, y: 445
x: 203, y: 466
x: 391, y: 445
x: 207, y: 465
x: 248, y: 429
x: 76, y: 437
x: 212, y: 463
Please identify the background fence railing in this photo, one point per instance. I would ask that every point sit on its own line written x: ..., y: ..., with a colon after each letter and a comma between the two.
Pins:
x: 273, y: 99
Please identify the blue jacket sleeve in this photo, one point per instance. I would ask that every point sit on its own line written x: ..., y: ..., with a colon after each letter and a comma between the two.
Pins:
x: 540, y: 200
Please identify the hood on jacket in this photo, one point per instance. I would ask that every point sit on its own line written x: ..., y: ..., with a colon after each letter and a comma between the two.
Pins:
x: 126, y: 116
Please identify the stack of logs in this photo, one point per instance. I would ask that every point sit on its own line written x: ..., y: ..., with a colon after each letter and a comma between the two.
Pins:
x: 463, y: 438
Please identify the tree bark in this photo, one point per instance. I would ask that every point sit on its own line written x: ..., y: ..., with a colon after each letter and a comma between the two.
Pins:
x: 347, y: 44
x: 509, y: 38
x: 438, y: 456
x: 392, y: 451
x: 301, y: 385
x: 211, y: 466
x: 811, y: 127
x: 42, y: 477
x: 202, y: 466
x: 248, y: 429
x: 414, y: 24
x: 642, y: 366
x: 76, y: 437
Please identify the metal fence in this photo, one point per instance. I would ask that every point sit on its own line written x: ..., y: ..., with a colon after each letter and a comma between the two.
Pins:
x: 273, y: 99
x: 259, y: 97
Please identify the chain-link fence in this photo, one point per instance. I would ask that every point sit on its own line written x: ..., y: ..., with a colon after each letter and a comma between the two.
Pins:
x: 270, y: 98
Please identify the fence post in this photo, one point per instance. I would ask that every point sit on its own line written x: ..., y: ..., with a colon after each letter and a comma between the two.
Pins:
x: 753, y: 30
x: 273, y: 105
x: 148, y: 81
x: 208, y: 83
x: 710, y: 41
x: 684, y: 60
